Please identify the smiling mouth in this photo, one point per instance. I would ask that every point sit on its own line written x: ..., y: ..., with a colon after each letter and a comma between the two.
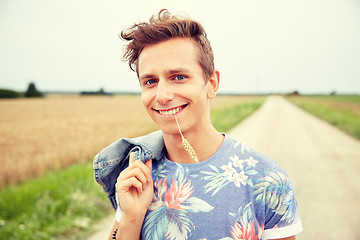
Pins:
x: 172, y: 111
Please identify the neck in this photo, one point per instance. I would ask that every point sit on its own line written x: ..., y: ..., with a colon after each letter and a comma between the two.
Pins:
x: 204, y: 141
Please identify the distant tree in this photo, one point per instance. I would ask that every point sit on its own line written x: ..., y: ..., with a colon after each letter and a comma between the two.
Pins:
x: 100, y: 92
x: 32, y: 91
x: 6, y: 93
x: 294, y: 93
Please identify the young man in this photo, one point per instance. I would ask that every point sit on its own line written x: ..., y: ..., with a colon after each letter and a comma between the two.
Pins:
x: 232, y: 192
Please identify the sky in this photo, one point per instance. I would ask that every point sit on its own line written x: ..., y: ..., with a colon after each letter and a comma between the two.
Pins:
x: 260, y: 46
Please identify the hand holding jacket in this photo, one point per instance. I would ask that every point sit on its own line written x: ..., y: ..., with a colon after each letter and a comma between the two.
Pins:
x: 135, y: 188
x: 135, y: 191
x: 115, y: 158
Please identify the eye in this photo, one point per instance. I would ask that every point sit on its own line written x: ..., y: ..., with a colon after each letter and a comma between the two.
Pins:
x: 179, y: 77
x: 150, y: 82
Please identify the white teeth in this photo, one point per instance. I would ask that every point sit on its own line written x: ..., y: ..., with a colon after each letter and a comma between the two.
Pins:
x: 170, y: 112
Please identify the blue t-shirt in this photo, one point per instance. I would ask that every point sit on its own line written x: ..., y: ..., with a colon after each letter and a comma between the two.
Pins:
x: 237, y: 193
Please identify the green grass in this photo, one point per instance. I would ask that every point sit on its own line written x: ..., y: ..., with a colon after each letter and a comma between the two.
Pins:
x: 60, y: 205
x: 337, y: 98
x: 66, y: 204
x: 345, y: 119
x: 225, y: 119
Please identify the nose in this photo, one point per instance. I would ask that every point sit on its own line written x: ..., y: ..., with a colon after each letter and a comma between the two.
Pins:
x: 164, y: 93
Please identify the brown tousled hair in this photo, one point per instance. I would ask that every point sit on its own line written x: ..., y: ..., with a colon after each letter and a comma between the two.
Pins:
x: 163, y: 27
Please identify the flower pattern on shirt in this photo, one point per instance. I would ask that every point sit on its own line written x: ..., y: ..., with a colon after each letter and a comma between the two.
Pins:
x: 243, y: 194
x: 246, y: 227
x: 251, y: 162
x: 170, y: 208
x: 276, y: 192
x: 237, y: 171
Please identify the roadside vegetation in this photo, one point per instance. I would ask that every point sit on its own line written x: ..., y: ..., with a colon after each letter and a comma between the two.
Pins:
x: 57, y: 203
x: 342, y: 111
x: 7, y: 93
x: 60, y: 205
x: 226, y: 118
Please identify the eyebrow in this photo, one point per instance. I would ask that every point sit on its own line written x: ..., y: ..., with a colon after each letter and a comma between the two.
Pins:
x: 178, y: 70
x: 146, y: 76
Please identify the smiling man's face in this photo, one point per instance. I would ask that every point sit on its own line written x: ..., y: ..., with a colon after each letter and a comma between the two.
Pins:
x: 172, y: 82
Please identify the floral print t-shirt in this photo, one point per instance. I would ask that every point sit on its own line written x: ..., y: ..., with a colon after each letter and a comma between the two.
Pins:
x: 237, y: 193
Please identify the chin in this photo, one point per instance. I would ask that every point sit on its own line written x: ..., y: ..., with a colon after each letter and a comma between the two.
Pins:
x: 172, y: 130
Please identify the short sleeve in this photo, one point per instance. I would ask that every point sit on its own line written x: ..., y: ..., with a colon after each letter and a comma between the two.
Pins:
x: 282, y: 218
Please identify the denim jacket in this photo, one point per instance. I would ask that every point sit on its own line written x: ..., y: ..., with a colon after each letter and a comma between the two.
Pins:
x: 110, y: 161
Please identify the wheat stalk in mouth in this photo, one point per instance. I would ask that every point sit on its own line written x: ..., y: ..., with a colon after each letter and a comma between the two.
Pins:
x: 188, y: 148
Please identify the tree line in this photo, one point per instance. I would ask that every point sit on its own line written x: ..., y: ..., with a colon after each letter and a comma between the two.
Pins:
x: 29, y: 93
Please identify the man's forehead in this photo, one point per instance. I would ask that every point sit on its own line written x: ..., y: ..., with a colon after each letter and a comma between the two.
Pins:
x: 179, y: 46
x: 178, y: 54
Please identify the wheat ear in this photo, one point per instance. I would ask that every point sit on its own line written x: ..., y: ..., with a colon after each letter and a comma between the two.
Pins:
x: 188, y: 148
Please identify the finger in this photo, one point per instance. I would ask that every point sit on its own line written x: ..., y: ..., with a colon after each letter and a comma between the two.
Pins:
x: 138, y: 170
x: 131, y: 158
x: 145, y: 169
x: 148, y: 164
x: 127, y: 184
x: 135, y: 172
x: 128, y: 172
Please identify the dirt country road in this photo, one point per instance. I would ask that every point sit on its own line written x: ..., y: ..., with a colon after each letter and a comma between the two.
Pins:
x: 322, y: 161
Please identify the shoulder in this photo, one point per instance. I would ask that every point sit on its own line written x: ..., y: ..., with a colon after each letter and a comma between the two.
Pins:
x: 238, y: 151
x: 263, y: 170
x: 151, y: 144
x: 111, y: 155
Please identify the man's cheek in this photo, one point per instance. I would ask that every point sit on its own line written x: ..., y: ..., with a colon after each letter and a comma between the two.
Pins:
x: 144, y: 99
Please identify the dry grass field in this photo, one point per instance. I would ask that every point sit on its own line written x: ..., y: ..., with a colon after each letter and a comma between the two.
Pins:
x: 38, y: 135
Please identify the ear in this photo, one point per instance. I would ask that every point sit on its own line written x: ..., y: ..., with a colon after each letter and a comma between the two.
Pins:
x: 213, y: 84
